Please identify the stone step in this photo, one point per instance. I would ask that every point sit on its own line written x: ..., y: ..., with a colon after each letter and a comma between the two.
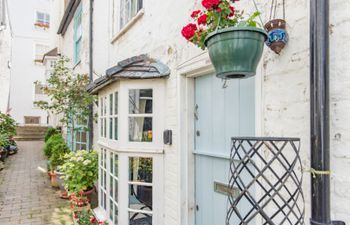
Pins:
x: 30, y: 133
x: 29, y: 138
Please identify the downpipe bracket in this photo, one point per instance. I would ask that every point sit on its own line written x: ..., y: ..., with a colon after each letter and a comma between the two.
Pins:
x: 336, y: 222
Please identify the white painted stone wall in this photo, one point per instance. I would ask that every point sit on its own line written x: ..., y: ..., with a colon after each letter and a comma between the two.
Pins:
x: 286, y: 97
x: 5, y: 62
x: 24, y: 70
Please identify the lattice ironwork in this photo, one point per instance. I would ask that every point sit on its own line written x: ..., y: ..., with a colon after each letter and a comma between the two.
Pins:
x: 268, y: 173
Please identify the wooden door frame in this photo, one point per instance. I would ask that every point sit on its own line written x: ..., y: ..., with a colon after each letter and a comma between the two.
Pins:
x: 197, y: 66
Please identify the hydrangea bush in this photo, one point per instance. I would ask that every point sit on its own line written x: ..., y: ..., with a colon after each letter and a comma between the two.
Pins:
x: 80, y: 171
x: 217, y: 14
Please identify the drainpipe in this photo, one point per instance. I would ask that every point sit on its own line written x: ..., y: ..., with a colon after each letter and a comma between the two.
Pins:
x: 319, y: 89
x: 91, y: 71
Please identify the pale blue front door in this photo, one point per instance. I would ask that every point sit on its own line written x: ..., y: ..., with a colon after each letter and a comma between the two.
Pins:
x: 221, y: 113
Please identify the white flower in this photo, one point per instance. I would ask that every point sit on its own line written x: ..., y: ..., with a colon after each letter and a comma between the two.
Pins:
x: 80, y: 159
x: 86, y: 162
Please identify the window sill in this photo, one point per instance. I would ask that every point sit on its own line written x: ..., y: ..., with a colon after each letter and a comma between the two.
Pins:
x: 132, y: 150
x: 128, y: 26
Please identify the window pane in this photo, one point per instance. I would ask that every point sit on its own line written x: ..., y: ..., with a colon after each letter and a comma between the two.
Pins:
x: 77, y: 136
x: 104, y: 201
x: 104, y: 159
x: 140, y: 169
x: 111, y: 104
x: 115, y: 128
x: 83, y: 137
x: 105, y: 127
x: 111, y: 211
x: 110, y: 128
x: 77, y: 146
x: 140, y: 129
x: 140, y: 101
x: 116, y: 165
x: 111, y: 157
x: 140, y: 219
x: 140, y: 197
x: 116, y: 103
x: 116, y: 190
x: 104, y: 180
x: 83, y: 147
x: 111, y: 186
x: 101, y: 180
x: 116, y: 214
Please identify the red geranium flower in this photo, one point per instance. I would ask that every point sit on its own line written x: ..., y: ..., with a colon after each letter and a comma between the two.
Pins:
x: 189, y: 30
x: 195, y: 13
x: 208, y: 4
x: 232, y: 11
x: 202, y: 19
x: 218, y: 9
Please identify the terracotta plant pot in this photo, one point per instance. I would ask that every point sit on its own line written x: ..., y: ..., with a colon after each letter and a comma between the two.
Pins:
x: 54, y: 182
x: 236, y: 51
x: 277, y: 35
x: 88, y: 193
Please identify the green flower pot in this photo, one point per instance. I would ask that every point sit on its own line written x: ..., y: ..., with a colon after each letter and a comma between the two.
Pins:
x: 236, y: 51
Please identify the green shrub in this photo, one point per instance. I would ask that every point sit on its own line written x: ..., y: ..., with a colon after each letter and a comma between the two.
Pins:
x: 57, y: 155
x: 51, y: 142
x: 7, y: 125
x: 80, y: 171
x: 50, y: 132
x: 4, y: 140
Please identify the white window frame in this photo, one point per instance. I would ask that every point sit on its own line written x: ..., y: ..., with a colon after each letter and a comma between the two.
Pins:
x: 123, y: 186
x: 117, y: 28
x: 125, y: 149
x: 35, y: 47
x: 45, y: 22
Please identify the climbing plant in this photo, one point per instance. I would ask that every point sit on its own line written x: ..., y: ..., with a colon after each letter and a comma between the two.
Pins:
x: 68, y: 95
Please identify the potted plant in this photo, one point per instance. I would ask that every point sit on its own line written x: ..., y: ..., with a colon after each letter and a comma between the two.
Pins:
x: 50, y: 145
x: 80, y: 172
x: 86, y: 217
x: 56, y: 160
x: 235, y: 43
x: 4, y: 142
x: 8, y: 129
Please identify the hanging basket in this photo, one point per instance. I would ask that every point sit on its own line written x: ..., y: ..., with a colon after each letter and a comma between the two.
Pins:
x: 277, y: 35
x: 236, y: 51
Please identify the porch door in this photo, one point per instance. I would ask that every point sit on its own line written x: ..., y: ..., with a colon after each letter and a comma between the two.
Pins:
x: 220, y: 113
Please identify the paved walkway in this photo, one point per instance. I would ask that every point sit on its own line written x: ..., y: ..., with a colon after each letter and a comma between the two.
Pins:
x: 26, y: 196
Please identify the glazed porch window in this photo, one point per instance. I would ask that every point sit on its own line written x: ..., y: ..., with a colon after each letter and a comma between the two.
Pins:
x: 103, y: 179
x: 113, y: 116
x: 140, y: 190
x: 113, y: 187
x: 140, y: 115
x: 103, y: 117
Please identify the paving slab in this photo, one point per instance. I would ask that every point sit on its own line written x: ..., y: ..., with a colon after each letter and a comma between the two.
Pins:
x: 26, y: 196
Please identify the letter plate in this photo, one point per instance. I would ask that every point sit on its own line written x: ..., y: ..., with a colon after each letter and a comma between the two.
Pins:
x: 225, y: 189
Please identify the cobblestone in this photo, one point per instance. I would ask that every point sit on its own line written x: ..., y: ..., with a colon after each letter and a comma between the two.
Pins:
x: 26, y: 196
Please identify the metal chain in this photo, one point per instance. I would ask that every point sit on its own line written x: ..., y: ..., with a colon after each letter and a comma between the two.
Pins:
x: 257, y: 9
x: 273, y: 9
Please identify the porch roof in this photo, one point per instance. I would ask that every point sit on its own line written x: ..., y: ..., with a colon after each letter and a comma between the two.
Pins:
x: 137, y: 67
